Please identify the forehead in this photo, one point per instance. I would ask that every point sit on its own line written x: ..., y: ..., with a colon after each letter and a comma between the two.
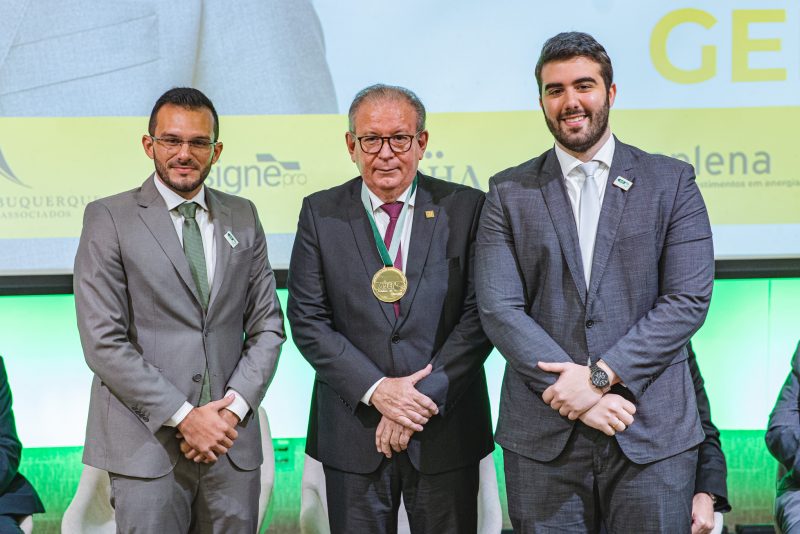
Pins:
x: 394, y: 114
x: 566, y: 71
x: 173, y: 119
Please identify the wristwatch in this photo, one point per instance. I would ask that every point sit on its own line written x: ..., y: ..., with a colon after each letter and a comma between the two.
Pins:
x: 598, y: 377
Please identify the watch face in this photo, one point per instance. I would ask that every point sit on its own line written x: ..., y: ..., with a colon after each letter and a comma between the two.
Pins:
x: 599, y: 378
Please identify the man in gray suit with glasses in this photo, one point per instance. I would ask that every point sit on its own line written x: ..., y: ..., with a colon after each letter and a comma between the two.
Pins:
x: 180, y: 323
x: 594, y: 267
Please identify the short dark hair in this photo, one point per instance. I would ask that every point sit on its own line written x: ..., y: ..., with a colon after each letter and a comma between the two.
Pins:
x: 185, y: 97
x: 381, y: 91
x: 568, y: 45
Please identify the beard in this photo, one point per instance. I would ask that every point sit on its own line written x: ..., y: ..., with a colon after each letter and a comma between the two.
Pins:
x: 580, y: 143
x: 181, y: 187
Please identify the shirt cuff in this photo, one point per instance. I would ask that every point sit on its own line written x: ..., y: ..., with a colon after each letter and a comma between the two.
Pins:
x: 368, y: 395
x: 239, y: 406
x: 180, y: 415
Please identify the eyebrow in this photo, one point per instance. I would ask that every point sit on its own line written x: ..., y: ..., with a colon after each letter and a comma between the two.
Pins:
x: 556, y: 85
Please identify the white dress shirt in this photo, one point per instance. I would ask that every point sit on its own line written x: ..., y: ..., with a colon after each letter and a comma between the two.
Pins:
x: 574, y: 177
x: 206, y: 224
x: 382, y: 222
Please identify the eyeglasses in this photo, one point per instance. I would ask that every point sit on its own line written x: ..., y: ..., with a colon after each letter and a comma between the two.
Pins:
x: 373, y: 144
x: 173, y: 144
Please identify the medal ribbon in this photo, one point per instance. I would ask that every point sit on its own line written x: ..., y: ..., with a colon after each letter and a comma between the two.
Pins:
x: 391, y: 252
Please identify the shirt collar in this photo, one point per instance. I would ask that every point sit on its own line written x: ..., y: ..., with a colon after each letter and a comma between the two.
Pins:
x: 404, y: 197
x: 569, y: 163
x: 173, y: 199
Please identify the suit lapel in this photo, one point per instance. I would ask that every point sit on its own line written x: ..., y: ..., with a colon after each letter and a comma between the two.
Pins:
x: 421, y: 237
x: 555, y: 196
x: 611, y: 213
x: 221, y: 216
x: 157, y: 219
x: 367, y: 249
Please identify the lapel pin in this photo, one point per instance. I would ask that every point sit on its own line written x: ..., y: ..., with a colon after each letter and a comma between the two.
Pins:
x: 232, y: 241
x: 429, y: 214
x: 622, y: 183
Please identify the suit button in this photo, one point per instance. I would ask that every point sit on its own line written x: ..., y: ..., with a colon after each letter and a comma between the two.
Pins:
x: 589, y: 323
x: 197, y: 378
x: 395, y: 338
x: 145, y: 419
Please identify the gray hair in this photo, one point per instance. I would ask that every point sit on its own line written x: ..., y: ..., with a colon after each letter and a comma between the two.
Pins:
x: 381, y: 91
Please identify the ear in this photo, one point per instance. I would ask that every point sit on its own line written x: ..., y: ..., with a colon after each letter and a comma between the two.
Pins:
x: 147, y: 144
x: 350, y: 139
x: 217, y: 152
x: 612, y: 94
x: 422, y: 139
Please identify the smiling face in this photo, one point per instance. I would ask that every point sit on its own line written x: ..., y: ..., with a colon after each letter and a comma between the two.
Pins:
x: 183, y: 169
x: 387, y: 173
x: 576, y: 105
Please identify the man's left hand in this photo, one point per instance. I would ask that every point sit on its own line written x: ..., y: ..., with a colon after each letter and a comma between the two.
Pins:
x: 391, y: 436
x: 702, y: 514
x: 190, y: 453
x: 572, y: 394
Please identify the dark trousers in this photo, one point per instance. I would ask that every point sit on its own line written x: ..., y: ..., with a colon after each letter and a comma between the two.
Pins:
x: 9, y: 524
x: 437, y: 504
x: 591, y: 483
x: 196, y: 498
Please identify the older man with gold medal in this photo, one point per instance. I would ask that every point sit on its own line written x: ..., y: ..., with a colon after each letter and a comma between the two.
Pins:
x: 382, y: 305
x: 389, y: 284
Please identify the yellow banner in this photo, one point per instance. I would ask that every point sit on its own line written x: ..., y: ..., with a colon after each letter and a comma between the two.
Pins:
x: 50, y: 168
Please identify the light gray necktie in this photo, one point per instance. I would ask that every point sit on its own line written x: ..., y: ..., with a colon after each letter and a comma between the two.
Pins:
x: 588, y: 216
x: 193, y: 248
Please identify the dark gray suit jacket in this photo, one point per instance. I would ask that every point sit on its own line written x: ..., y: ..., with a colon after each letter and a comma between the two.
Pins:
x: 352, y: 339
x: 650, y: 288
x: 783, y: 429
x: 146, y: 336
x: 17, y: 496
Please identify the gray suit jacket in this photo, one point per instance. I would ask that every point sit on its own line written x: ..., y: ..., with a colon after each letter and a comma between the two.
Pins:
x: 145, y: 335
x: 97, y: 58
x: 352, y: 339
x: 650, y: 288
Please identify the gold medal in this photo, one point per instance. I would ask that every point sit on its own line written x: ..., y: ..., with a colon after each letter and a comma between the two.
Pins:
x: 389, y: 284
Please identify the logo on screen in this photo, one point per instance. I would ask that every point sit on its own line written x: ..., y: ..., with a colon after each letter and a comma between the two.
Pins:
x: 8, y: 174
x: 460, y: 173
x: 267, y: 172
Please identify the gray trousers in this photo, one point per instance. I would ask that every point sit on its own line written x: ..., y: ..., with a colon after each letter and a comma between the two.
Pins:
x: 591, y: 483
x: 196, y: 498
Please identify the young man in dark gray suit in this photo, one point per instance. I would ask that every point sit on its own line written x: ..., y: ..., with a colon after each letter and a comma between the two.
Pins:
x: 382, y: 304
x: 180, y: 323
x: 594, y: 267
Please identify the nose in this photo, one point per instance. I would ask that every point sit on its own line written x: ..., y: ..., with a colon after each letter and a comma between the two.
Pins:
x: 572, y: 99
x: 386, y: 151
x: 183, y: 152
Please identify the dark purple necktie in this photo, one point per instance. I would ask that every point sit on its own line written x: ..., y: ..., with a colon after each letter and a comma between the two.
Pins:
x: 393, y: 210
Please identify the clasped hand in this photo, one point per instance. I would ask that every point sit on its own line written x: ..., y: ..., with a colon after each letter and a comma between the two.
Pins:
x: 398, y: 400
x: 208, y: 431
x: 575, y: 398
x: 572, y: 394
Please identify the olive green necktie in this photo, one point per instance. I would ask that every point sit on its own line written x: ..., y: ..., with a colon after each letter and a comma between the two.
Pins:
x: 193, y: 248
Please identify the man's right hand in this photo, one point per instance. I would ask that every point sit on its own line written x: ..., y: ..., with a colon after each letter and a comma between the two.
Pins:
x: 612, y: 414
x: 398, y: 400
x: 206, y: 431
